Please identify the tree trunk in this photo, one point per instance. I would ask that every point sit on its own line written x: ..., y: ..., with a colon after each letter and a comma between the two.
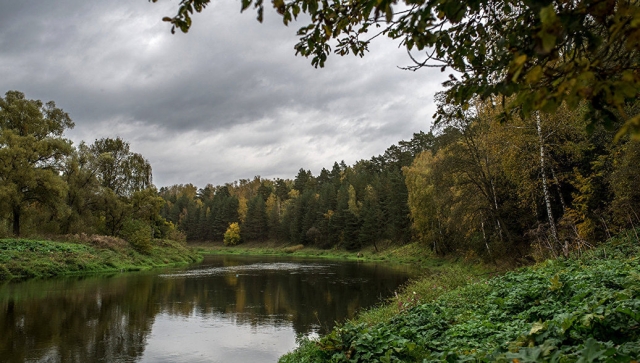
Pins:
x: 486, y: 242
x: 545, y: 189
x: 16, y: 220
x: 557, y: 182
x: 495, y: 205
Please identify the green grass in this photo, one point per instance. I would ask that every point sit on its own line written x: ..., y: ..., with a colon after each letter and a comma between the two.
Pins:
x: 582, y: 309
x: 413, y: 253
x: 26, y: 258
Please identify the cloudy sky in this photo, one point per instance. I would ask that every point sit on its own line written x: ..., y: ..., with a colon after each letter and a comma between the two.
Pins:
x: 228, y: 100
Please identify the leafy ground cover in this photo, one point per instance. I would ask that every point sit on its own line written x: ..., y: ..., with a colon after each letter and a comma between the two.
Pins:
x: 25, y: 258
x: 582, y: 309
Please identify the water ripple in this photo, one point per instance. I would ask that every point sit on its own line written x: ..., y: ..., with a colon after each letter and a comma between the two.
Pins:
x: 292, y: 268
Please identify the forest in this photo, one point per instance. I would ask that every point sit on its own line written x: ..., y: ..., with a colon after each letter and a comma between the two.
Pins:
x: 474, y: 185
x: 533, y: 152
x: 526, y: 180
x: 48, y: 186
x: 537, y: 187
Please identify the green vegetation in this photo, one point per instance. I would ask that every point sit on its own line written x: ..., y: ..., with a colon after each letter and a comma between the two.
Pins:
x: 580, y: 309
x: 31, y: 150
x: 556, y: 179
x: 50, y: 187
x: 232, y: 235
x: 510, y: 193
x: 25, y: 258
x: 345, y: 207
x: 412, y: 253
x: 534, y: 188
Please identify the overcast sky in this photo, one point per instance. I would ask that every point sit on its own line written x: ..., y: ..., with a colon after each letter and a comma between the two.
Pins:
x: 228, y: 100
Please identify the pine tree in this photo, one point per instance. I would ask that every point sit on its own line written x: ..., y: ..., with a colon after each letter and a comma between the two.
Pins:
x: 255, y: 226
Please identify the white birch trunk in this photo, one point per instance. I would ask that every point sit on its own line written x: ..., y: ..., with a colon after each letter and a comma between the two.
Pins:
x: 545, y: 189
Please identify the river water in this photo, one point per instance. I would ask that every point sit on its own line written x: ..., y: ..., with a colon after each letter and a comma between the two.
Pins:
x: 226, y: 309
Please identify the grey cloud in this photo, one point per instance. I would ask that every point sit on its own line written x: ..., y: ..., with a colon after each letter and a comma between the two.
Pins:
x: 228, y: 100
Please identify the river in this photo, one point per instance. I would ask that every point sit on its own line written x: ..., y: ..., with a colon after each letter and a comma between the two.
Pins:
x: 226, y: 309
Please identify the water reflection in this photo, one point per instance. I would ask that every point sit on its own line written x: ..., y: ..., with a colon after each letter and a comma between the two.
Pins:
x: 229, y: 308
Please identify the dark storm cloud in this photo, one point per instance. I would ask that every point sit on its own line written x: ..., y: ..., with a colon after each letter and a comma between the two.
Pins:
x: 228, y: 100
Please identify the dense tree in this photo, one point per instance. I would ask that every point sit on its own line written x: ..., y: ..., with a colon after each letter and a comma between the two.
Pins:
x: 146, y: 205
x: 540, y: 185
x: 83, y: 187
x: 474, y: 185
x: 273, y: 206
x: 304, y: 181
x: 114, y: 212
x: 118, y: 168
x: 51, y: 187
x: 625, y: 185
x: 372, y: 219
x: 256, y: 222
x: 32, y: 149
x: 224, y: 211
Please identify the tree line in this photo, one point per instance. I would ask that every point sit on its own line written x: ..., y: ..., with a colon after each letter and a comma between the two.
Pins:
x: 348, y: 206
x: 49, y: 186
x: 537, y: 186
x: 541, y: 185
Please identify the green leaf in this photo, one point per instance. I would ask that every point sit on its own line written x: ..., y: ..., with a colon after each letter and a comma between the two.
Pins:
x: 548, y: 15
x: 548, y: 41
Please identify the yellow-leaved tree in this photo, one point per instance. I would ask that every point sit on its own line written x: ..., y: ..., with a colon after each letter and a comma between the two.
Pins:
x: 232, y: 235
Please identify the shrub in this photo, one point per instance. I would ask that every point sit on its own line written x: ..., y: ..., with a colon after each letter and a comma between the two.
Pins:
x: 5, y: 274
x: 177, y: 235
x: 138, y: 234
x: 232, y: 235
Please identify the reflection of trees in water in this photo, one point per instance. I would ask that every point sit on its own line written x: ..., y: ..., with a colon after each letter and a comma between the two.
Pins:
x: 109, y: 319
x: 76, y: 320
x: 312, y: 300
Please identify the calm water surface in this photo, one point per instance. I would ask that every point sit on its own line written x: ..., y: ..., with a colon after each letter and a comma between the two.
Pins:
x: 227, y: 309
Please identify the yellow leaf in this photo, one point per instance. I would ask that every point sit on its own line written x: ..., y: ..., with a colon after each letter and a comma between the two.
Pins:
x: 534, y: 74
x: 537, y: 326
x: 520, y: 60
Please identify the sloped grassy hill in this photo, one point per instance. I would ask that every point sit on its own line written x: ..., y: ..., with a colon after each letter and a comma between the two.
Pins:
x: 583, y: 309
x: 24, y: 258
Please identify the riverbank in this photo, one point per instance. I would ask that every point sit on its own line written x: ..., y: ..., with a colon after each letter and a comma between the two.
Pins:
x: 437, y: 274
x: 576, y: 309
x: 412, y: 253
x: 27, y: 258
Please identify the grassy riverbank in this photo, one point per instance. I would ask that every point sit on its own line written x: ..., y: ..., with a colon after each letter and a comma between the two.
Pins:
x: 412, y: 253
x: 582, y: 309
x: 26, y: 258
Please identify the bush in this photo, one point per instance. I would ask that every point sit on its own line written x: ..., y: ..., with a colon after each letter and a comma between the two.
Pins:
x: 5, y: 274
x: 138, y: 234
x: 232, y: 235
x: 177, y: 235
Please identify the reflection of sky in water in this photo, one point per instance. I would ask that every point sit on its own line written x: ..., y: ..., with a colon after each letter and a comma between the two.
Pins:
x: 252, y: 269
x: 227, y: 309
x: 217, y: 338
x: 213, y: 336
